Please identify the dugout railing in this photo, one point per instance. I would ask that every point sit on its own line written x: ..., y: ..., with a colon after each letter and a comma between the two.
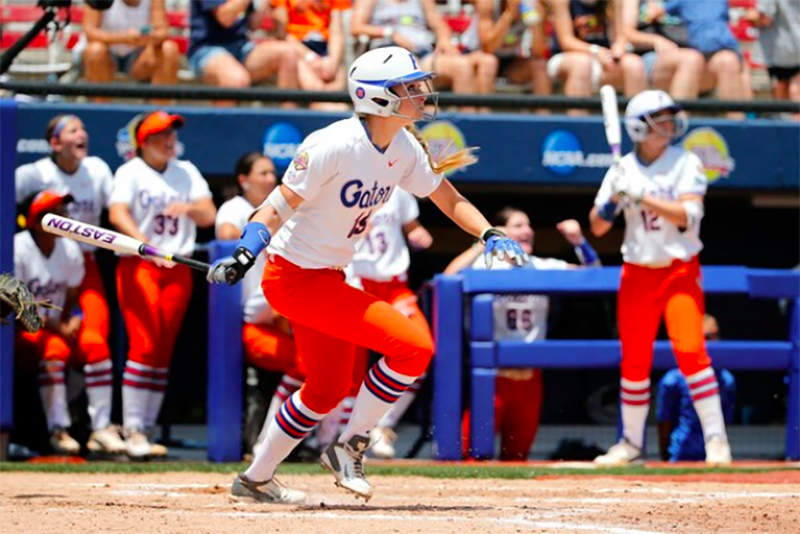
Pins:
x: 467, y: 299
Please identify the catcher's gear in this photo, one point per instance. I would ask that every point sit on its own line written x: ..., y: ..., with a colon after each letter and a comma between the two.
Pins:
x: 16, y: 297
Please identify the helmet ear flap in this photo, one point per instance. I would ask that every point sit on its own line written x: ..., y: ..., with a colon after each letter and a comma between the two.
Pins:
x: 637, y: 129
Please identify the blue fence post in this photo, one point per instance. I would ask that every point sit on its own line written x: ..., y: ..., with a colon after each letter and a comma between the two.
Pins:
x: 448, y: 331
x: 8, y: 160
x: 793, y: 411
x: 481, y: 422
x: 225, y: 366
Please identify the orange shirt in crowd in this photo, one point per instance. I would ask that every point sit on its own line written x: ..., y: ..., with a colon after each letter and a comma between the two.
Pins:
x: 310, y: 19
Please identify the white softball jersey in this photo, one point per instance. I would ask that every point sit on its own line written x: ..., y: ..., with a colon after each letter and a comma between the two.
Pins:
x: 521, y: 317
x: 344, y: 180
x: 48, y: 278
x: 90, y: 186
x: 651, y: 240
x: 383, y: 254
x: 148, y: 192
x: 256, y: 309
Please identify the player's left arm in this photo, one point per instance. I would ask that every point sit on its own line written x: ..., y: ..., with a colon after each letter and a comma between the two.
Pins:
x: 683, y: 213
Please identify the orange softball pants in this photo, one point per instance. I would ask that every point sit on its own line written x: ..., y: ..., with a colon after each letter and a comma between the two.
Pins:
x: 517, y: 408
x: 153, y: 301
x: 89, y: 348
x: 270, y: 348
x: 400, y: 296
x: 92, y: 298
x: 329, y: 318
x: 644, y: 296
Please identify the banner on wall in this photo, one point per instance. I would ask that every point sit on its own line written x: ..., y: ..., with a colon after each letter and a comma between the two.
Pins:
x: 514, y: 149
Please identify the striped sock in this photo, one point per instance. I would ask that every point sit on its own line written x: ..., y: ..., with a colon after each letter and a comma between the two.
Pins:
x: 143, y: 390
x: 635, y: 403
x: 292, y: 423
x: 54, y: 394
x: 704, y: 390
x: 400, y: 407
x: 99, y: 382
x: 381, y: 389
x: 286, y: 389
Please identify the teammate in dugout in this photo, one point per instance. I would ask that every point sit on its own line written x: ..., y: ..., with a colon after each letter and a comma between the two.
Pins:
x: 88, y: 179
x: 518, y: 401
x: 267, y: 345
x: 660, y: 189
x: 159, y: 200
x: 340, y: 176
x: 53, y: 269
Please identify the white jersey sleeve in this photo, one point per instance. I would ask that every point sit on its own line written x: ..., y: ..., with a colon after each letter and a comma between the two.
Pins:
x: 27, y: 180
x: 123, y: 190
x: 76, y: 269
x: 235, y: 212
x: 409, y: 208
x: 420, y: 179
x: 199, y: 187
x: 314, y: 165
x: 605, y: 192
x: 106, y: 178
x: 692, y: 179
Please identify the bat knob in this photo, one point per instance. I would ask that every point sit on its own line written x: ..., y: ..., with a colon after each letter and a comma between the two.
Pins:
x: 232, y: 275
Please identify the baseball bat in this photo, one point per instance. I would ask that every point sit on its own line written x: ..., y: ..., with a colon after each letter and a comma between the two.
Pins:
x: 608, y: 98
x: 100, y: 237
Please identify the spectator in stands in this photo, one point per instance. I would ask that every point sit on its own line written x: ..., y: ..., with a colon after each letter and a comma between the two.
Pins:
x: 53, y: 270
x: 693, y: 47
x: 161, y: 201
x: 267, y: 342
x: 221, y: 52
x: 591, y: 49
x: 317, y: 30
x: 518, y: 399
x: 779, y: 24
x: 680, y: 436
x: 518, y: 40
x: 417, y: 25
x: 130, y: 37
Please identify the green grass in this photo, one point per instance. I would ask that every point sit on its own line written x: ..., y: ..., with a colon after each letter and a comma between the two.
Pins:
x: 430, y: 471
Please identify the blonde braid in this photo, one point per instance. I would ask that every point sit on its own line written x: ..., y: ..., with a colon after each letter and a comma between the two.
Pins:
x: 461, y: 159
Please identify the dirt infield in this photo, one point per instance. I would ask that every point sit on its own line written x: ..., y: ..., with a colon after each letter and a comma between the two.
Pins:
x: 180, y: 503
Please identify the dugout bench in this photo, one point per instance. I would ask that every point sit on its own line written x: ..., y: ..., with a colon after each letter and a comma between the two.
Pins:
x: 470, y: 294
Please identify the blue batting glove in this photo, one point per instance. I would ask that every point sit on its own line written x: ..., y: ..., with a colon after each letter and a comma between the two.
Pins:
x: 231, y: 269
x: 501, y: 248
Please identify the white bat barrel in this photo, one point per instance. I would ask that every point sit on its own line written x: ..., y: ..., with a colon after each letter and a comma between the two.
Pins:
x: 93, y: 235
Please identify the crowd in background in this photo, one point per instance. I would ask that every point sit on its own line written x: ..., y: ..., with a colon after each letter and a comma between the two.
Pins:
x: 572, y: 47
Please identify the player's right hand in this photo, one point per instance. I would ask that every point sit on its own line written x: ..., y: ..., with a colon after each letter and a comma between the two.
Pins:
x: 231, y: 269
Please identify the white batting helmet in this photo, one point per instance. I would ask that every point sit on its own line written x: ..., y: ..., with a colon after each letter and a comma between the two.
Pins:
x: 639, y: 115
x: 375, y: 72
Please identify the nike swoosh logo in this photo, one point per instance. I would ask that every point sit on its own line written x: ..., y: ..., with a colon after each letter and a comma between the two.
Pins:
x: 391, y: 163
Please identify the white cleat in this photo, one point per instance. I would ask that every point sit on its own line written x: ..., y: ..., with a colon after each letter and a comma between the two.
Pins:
x: 346, y: 462
x: 137, y: 444
x: 107, y: 441
x: 271, y: 492
x: 718, y: 451
x: 621, y: 454
x: 381, y: 441
x: 63, y: 443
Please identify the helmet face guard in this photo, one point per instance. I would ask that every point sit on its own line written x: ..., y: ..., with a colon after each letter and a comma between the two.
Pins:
x: 406, y: 89
x: 677, y: 118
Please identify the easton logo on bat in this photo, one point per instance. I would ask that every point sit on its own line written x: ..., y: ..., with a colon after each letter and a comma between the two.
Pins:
x: 81, y: 230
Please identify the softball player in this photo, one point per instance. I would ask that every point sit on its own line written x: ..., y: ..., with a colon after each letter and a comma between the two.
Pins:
x: 660, y: 189
x: 88, y: 180
x: 266, y: 344
x: 159, y: 200
x: 518, y: 401
x: 53, y: 269
x: 381, y: 264
x: 339, y: 178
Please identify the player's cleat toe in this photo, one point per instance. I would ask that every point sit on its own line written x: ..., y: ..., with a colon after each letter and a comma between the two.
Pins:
x: 346, y: 462
x: 63, y: 443
x: 718, y: 451
x: 271, y: 491
x: 382, y: 443
x: 621, y: 454
x: 106, y: 440
x: 137, y: 444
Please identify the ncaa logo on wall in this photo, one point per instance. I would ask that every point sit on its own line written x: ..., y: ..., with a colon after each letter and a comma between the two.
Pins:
x: 562, y: 154
x: 281, y: 141
x: 709, y: 145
